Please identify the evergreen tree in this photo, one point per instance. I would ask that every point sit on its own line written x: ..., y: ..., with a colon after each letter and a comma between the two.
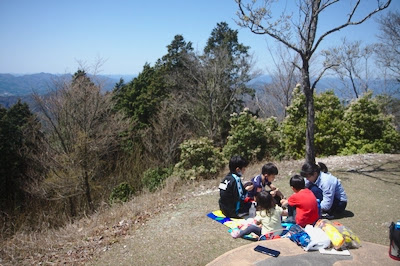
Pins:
x: 221, y: 74
x: 177, y: 51
x: 13, y: 161
x: 140, y: 98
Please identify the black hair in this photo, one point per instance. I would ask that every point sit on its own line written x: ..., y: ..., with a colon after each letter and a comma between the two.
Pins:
x: 297, y: 182
x: 237, y: 161
x: 265, y: 201
x: 270, y: 169
x: 309, y: 169
x: 323, y: 167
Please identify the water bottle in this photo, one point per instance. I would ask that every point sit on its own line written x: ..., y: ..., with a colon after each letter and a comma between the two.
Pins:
x: 397, y: 225
x: 252, y: 211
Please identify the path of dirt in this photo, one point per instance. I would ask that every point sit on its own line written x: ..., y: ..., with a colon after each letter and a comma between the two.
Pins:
x: 184, y: 236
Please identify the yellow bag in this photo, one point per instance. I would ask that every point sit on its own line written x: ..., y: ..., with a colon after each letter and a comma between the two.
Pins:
x: 351, y: 240
x: 332, y: 232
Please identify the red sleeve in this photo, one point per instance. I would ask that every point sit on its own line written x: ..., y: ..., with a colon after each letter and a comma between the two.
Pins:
x: 293, y: 200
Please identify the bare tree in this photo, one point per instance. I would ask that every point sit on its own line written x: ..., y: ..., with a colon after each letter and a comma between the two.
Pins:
x: 388, y: 58
x: 214, y: 88
x: 169, y: 128
x: 351, y: 64
x: 284, y: 77
x: 388, y: 50
x: 82, y: 133
x: 300, y: 34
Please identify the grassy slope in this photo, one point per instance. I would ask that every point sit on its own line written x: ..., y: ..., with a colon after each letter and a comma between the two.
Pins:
x: 171, y: 227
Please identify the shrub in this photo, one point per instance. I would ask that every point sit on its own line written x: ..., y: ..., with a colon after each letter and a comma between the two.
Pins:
x: 329, y: 126
x: 121, y: 193
x: 251, y: 137
x: 368, y: 129
x: 274, y: 138
x: 294, y: 126
x: 154, y: 177
x: 199, y: 159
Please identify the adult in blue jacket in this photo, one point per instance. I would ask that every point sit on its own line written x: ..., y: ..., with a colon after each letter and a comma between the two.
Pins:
x: 334, y: 198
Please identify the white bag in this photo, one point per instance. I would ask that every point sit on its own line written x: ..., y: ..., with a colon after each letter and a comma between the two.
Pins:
x: 318, y: 238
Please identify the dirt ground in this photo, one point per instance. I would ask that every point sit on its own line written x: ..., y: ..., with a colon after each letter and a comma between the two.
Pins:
x: 182, y: 234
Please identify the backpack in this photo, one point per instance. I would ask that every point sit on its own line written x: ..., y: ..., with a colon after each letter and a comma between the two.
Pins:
x: 394, y: 236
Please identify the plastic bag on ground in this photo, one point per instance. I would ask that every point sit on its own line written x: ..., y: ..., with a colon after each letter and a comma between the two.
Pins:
x: 332, y: 232
x: 318, y: 238
x: 351, y: 240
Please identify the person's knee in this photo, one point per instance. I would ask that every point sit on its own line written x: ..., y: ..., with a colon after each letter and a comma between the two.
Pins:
x: 339, y: 208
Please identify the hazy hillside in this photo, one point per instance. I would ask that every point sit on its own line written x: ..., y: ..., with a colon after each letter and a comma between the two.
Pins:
x: 15, y: 86
x: 22, y: 85
x: 8, y: 101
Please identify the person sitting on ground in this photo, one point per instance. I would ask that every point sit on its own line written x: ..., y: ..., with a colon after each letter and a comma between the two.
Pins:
x: 268, y: 216
x: 264, y: 181
x: 323, y: 167
x: 231, y: 190
x: 334, y: 198
x: 303, y: 200
x: 314, y: 188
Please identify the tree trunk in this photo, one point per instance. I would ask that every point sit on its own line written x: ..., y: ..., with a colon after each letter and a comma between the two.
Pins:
x: 87, y: 192
x: 71, y: 207
x: 308, y: 92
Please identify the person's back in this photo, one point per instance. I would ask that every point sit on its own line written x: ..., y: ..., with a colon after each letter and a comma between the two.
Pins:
x: 231, y: 189
x: 229, y: 196
x: 306, y: 207
x: 304, y: 201
x: 334, y: 198
x: 271, y: 220
x: 331, y: 184
x: 268, y: 215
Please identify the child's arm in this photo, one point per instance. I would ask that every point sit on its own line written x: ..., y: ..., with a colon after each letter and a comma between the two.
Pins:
x: 257, y: 220
x: 277, y: 192
x: 272, y: 187
x: 248, y: 186
x: 284, y: 202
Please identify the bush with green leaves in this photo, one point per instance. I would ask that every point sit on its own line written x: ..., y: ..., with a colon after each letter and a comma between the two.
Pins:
x: 252, y: 138
x: 154, y: 177
x: 293, y: 127
x: 329, y: 126
x: 199, y: 159
x: 274, y: 137
x: 121, y: 193
x: 368, y: 130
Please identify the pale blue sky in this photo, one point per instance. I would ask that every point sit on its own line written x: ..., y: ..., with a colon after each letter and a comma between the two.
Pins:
x: 54, y: 35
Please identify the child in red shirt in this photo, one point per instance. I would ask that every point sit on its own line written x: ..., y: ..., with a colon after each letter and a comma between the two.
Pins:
x: 304, y: 201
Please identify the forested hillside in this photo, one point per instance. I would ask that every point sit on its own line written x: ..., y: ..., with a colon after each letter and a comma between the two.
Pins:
x: 84, y: 145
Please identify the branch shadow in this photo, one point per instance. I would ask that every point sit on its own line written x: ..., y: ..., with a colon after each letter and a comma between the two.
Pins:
x: 390, y: 172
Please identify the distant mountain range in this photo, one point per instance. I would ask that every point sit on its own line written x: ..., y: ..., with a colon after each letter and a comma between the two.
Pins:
x: 23, y: 85
x: 18, y: 86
